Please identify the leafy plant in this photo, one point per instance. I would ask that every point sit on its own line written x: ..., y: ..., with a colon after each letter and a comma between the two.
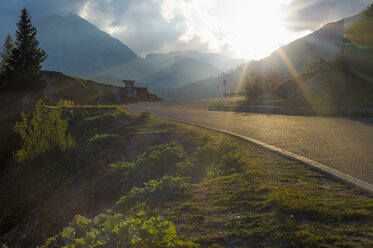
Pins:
x: 154, y: 192
x: 41, y: 131
x: 114, y: 230
x: 157, y: 161
x: 231, y: 162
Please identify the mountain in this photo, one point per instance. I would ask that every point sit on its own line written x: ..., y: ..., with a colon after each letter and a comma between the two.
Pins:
x: 345, y: 81
x: 291, y: 60
x: 177, y: 71
x: 286, y: 62
x: 221, y: 62
x: 76, y: 47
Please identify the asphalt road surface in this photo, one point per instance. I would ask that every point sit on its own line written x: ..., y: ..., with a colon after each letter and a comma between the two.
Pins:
x: 345, y: 144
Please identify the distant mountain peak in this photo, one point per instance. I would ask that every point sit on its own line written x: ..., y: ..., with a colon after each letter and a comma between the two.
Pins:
x: 77, y: 47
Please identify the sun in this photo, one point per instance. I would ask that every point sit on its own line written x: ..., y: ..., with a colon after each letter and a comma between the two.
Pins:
x: 256, y: 28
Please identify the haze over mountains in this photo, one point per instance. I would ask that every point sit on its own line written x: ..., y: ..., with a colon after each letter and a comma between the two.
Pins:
x: 286, y: 62
x: 78, y: 48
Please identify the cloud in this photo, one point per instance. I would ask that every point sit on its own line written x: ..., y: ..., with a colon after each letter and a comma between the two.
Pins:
x: 10, y: 11
x: 148, y: 26
x: 144, y: 25
x: 155, y: 25
x: 311, y: 14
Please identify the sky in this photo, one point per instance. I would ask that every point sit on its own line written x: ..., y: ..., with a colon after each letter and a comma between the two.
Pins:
x: 249, y: 29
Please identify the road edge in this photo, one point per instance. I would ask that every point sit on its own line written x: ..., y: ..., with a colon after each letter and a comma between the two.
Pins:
x: 283, y: 153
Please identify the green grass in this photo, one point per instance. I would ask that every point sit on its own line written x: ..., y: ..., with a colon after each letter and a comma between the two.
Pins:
x: 218, y: 191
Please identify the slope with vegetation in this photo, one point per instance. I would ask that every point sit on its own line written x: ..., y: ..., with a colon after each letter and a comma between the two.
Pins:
x: 56, y: 88
x: 134, y: 180
x: 76, y: 47
x: 344, y: 81
x: 289, y: 62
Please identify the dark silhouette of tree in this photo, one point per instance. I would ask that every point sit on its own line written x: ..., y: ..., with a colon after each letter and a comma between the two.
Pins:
x: 254, y: 86
x: 369, y: 10
x: 27, y: 56
x: 6, y: 54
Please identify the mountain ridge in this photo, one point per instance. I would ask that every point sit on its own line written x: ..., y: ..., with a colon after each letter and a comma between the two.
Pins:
x: 77, y: 47
x: 286, y: 63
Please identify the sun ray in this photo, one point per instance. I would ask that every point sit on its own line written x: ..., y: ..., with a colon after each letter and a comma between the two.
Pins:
x: 299, y: 80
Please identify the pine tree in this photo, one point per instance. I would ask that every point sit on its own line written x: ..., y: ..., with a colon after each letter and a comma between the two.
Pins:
x: 27, y: 56
x: 6, y: 54
x: 369, y: 10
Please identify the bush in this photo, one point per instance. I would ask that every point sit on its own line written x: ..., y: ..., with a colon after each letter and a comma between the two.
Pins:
x: 113, y: 230
x: 156, y: 162
x: 41, y: 131
x: 154, y: 193
x: 230, y: 163
x: 185, y: 169
x: 213, y: 158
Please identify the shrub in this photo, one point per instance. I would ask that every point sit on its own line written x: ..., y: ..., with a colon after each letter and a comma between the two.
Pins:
x: 230, y: 163
x: 114, y: 230
x: 41, y: 131
x: 219, y: 158
x: 185, y: 169
x: 156, y: 162
x: 154, y: 192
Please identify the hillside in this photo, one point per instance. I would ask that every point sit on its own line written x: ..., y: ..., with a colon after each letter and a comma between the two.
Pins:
x: 76, y: 47
x: 286, y: 62
x: 134, y: 175
x: 58, y: 87
x: 218, y: 61
x: 177, y: 71
x: 344, y: 81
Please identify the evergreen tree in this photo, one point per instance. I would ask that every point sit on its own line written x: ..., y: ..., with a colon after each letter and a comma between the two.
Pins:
x: 27, y: 56
x: 369, y: 10
x: 6, y: 54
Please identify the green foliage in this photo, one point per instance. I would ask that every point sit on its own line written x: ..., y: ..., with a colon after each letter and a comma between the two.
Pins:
x: 102, y: 138
x: 185, y: 169
x: 213, y: 151
x: 114, y: 230
x: 6, y: 54
x: 231, y: 162
x: 153, y: 193
x: 257, y: 85
x: 254, y: 87
x: 41, y: 131
x: 157, y: 161
x: 302, y: 206
x: 27, y: 56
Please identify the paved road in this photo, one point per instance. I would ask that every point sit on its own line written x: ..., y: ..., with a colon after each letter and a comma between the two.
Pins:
x: 341, y: 143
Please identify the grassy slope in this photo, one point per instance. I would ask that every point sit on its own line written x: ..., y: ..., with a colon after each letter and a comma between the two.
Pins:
x: 273, y: 202
x: 58, y: 87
